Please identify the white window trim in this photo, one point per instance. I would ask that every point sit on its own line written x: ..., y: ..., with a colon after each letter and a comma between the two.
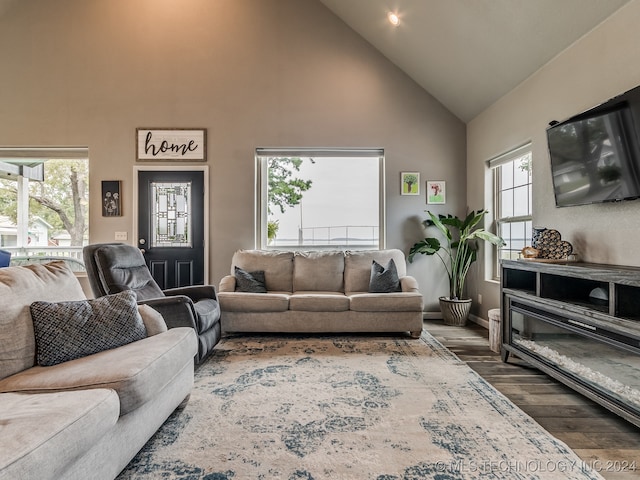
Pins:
x: 493, y: 164
x: 261, y: 177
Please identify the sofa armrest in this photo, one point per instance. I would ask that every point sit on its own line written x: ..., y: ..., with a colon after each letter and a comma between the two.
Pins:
x: 227, y: 284
x: 409, y: 284
x: 194, y: 292
x: 152, y: 319
x: 177, y: 311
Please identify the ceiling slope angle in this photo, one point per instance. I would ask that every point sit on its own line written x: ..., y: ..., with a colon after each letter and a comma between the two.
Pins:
x: 469, y: 53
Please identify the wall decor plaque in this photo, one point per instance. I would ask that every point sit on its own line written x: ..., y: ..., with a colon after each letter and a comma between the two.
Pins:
x: 171, y: 144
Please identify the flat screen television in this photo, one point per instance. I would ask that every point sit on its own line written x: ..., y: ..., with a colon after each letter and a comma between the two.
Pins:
x: 595, y: 156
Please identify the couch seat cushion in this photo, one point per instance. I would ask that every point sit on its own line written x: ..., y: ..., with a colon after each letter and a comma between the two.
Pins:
x: 208, y: 312
x: 386, y: 302
x: 253, y: 302
x: 137, y: 371
x: 319, y: 302
x: 43, y: 433
x: 318, y: 271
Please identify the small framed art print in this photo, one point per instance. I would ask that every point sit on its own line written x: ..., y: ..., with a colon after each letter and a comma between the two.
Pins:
x: 436, y: 192
x: 111, y: 199
x: 410, y: 183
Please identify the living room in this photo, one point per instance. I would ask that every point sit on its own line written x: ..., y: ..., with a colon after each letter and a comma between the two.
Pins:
x: 290, y: 73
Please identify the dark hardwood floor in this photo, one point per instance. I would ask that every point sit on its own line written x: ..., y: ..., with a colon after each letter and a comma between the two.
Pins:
x: 601, y: 439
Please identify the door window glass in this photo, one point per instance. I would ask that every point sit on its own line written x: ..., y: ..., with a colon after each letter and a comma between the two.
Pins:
x: 171, y: 214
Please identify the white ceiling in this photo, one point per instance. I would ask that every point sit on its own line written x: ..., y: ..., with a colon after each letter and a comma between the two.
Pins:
x: 469, y: 53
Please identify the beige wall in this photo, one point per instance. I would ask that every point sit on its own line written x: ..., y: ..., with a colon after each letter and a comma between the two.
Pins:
x: 602, y: 64
x: 252, y: 72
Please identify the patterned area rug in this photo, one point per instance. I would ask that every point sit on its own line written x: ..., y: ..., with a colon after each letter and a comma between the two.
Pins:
x: 348, y: 407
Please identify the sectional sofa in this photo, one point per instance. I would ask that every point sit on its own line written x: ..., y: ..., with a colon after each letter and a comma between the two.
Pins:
x: 319, y: 291
x: 85, y: 417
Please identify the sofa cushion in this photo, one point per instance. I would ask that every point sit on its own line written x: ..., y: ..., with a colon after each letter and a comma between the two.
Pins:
x: 253, y: 302
x: 384, y: 279
x: 319, y: 302
x: 318, y: 271
x: 277, y: 267
x: 19, y: 288
x: 69, y: 330
x: 250, y: 282
x: 386, y: 302
x: 137, y: 371
x: 42, y: 434
x: 357, y: 267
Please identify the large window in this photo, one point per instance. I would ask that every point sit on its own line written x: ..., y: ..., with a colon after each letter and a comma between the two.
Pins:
x: 44, y: 208
x: 320, y: 198
x: 512, y: 194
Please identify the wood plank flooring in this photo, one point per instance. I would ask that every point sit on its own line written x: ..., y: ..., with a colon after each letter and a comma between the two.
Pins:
x: 601, y: 439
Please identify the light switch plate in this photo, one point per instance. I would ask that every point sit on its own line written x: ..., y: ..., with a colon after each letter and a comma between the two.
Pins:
x: 121, y: 236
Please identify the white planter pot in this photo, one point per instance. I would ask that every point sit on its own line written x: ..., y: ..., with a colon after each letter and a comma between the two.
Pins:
x: 455, y: 312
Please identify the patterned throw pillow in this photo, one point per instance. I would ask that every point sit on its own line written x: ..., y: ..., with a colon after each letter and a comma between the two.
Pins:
x: 250, y: 282
x: 68, y: 330
x: 384, y: 279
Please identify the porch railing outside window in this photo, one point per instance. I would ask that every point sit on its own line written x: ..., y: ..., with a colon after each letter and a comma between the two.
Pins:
x: 320, y: 198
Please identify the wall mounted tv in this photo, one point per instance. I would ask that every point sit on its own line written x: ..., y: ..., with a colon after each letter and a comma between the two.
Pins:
x: 595, y: 155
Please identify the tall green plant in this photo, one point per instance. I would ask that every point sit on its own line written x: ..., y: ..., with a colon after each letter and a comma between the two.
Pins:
x: 460, y: 248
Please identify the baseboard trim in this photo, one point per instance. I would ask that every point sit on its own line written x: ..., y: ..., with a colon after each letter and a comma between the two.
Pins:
x: 473, y: 318
x: 479, y: 320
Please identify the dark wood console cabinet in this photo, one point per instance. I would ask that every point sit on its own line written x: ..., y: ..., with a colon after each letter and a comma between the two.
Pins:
x: 579, y: 323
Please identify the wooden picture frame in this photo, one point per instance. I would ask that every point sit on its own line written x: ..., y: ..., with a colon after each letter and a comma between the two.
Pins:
x: 436, y: 192
x: 410, y: 183
x: 111, y: 198
x: 171, y: 144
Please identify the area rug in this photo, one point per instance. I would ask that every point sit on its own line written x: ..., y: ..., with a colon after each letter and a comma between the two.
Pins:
x: 348, y: 407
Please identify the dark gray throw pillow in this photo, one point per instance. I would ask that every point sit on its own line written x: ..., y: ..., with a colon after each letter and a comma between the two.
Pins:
x: 250, y: 282
x: 68, y: 330
x: 384, y: 279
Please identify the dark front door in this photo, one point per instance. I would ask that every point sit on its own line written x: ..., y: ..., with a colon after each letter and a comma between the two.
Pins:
x: 171, y: 226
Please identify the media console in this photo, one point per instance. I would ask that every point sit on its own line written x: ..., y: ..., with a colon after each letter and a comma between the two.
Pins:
x: 579, y: 323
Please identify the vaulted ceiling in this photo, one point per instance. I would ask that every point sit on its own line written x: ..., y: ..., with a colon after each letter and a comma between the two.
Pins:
x: 469, y: 53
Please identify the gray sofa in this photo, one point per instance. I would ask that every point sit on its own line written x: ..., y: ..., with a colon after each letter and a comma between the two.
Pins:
x: 319, y: 291
x: 86, y: 417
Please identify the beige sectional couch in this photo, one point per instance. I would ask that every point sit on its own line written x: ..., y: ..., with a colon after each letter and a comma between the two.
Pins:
x: 319, y: 291
x: 85, y: 418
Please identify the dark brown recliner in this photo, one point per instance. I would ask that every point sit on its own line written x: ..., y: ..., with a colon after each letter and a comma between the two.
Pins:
x: 115, y: 267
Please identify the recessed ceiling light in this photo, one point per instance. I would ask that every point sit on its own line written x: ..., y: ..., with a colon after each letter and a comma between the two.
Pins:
x: 393, y: 18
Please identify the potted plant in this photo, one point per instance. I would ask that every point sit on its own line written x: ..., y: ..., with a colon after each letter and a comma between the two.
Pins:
x: 457, y: 253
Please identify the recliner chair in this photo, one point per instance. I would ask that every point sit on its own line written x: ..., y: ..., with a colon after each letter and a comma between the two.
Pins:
x: 115, y: 267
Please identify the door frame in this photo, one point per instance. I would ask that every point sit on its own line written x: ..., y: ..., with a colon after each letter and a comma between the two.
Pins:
x: 165, y: 168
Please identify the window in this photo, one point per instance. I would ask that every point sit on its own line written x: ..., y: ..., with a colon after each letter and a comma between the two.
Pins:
x: 44, y: 210
x: 320, y: 198
x: 513, y: 210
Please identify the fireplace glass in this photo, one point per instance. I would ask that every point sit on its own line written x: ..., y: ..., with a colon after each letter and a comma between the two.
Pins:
x: 598, y: 359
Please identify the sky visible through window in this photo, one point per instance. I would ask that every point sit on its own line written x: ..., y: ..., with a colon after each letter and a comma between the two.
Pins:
x: 342, y: 204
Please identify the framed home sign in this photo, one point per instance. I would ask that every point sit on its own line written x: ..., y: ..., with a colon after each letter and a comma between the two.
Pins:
x: 171, y: 144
